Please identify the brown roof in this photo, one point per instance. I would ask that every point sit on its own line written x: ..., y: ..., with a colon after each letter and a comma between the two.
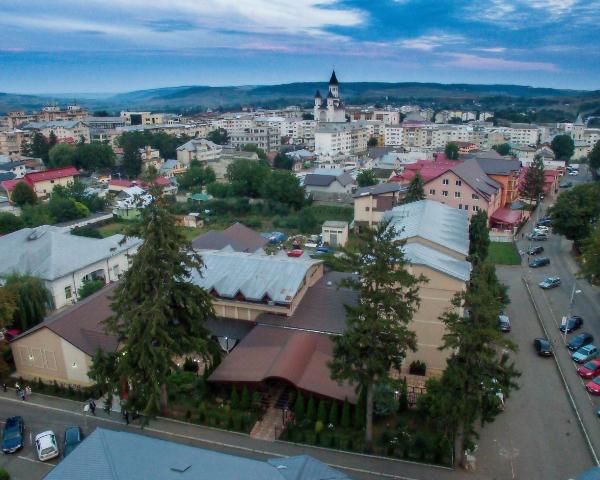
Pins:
x: 321, y: 309
x: 298, y: 357
x: 82, y: 324
x: 238, y: 236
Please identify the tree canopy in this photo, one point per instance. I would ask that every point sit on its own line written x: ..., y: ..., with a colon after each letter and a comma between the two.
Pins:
x: 594, y: 159
x: 251, y: 147
x: 563, y: 147
x: 23, y: 194
x: 247, y: 177
x: 377, y: 336
x: 590, y: 254
x: 283, y: 186
x: 32, y: 300
x: 372, y: 142
x: 196, y: 177
x: 283, y: 161
x: 451, y: 151
x: 576, y: 211
x: 479, y: 237
x: 366, y: 178
x: 416, y: 189
x: 502, y: 148
x: 9, y: 223
x: 218, y: 136
x: 533, y: 182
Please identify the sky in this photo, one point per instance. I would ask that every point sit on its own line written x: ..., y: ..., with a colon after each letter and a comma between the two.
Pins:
x: 110, y: 46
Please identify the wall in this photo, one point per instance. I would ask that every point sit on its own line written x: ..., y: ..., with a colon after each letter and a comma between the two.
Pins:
x: 44, y: 189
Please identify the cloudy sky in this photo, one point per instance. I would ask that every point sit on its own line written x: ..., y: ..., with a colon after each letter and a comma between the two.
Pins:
x: 121, y: 45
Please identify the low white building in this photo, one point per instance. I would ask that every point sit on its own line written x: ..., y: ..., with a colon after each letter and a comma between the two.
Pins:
x: 199, y: 149
x: 64, y: 261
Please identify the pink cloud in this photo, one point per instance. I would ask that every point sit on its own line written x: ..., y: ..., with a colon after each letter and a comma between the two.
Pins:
x: 476, y: 62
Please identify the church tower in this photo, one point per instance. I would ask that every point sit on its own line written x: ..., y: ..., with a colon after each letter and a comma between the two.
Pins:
x: 578, y: 128
x: 330, y: 110
x: 334, y: 85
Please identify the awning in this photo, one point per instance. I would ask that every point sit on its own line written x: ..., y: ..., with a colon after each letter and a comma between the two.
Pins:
x: 507, y: 216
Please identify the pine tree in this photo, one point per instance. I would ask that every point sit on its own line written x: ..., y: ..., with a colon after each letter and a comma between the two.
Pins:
x: 159, y: 312
x: 235, y: 399
x: 311, y: 411
x: 299, y: 408
x: 451, y: 151
x: 377, y: 337
x: 345, y: 422
x: 533, y: 183
x: 403, y: 399
x: 333, y: 413
x: 245, y: 403
x: 416, y: 189
x: 479, y: 237
x: 322, y: 411
x: 360, y: 411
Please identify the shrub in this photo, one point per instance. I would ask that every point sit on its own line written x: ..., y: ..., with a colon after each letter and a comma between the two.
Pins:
x: 86, y: 231
x: 235, y: 399
x: 256, y: 400
x: 4, y: 475
x: 311, y: 412
x: 384, y: 398
x: 417, y: 367
x: 299, y: 408
x: 181, y: 383
x: 89, y: 287
x: 346, y: 414
x: 322, y: 412
x: 245, y: 402
x: 319, y: 426
x: 333, y: 413
x: 189, y: 365
x: 238, y: 423
x: 403, y: 399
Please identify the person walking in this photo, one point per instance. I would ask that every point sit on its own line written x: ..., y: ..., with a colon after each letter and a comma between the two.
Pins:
x: 4, y: 387
x: 22, y: 394
x: 126, y: 416
x: 28, y: 390
x: 93, y: 407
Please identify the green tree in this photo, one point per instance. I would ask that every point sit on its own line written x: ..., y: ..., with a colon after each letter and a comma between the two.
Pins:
x: 89, y: 287
x: 311, y: 410
x: 218, y: 136
x: 532, y: 186
x: 132, y: 162
x: 52, y: 140
x: 594, y: 159
x: 590, y: 254
x: 451, y: 151
x: 299, y: 408
x: 283, y: 161
x: 345, y: 421
x: 251, y: 147
x: 502, y: 148
x: 36, y: 215
x: 366, y: 178
x: 10, y: 223
x: 576, y: 211
x: 94, y: 156
x: 159, y: 312
x: 416, y: 189
x: 86, y: 231
x: 64, y: 209
x: 39, y: 147
x: 563, y: 147
x: 245, y: 402
x: 77, y: 190
x: 403, y: 398
x: 372, y: 142
x: 32, y: 298
x: 62, y: 155
x: 478, y: 367
x: 8, y: 307
x: 196, y: 177
x: 333, y: 413
x: 23, y: 194
x: 322, y: 411
x: 283, y: 186
x: 235, y: 399
x: 377, y: 337
x: 479, y: 237
x: 248, y: 177
x: 307, y: 221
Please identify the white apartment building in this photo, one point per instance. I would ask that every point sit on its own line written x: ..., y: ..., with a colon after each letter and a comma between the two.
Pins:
x: 333, y: 139
x: 143, y: 118
x: 523, y: 134
x: 266, y: 137
x: 393, y: 135
x: 199, y: 149
x: 12, y: 140
x: 70, y: 131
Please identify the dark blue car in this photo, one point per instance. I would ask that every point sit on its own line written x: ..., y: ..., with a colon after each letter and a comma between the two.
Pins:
x: 73, y: 438
x: 12, y: 436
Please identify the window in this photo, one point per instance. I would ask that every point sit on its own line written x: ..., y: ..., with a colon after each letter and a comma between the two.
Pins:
x: 445, y: 193
x: 458, y: 183
x: 456, y: 194
x: 474, y: 196
x: 445, y: 181
x: 432, y: 191
x: 475, y: 208
x: 68, y: 292
x: 460, y: 206
x: 466, y: 207
x: 367, y: 209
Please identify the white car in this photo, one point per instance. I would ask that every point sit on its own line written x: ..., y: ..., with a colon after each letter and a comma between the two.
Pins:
x: 541, y: 229
x: 574, y: 173
x: 46, y: 446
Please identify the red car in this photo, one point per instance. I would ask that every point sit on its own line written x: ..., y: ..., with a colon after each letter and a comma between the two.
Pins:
x: 594, y: 386
x: 297, y: 252
x: 590, y: 370
x: 9, y: 335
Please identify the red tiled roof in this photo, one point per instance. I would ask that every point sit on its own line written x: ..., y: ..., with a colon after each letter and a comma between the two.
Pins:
x: 52, y: 174
x: 9, y: 185
x: 162, y: 182
x: 117, y: 182
x: 428, y: 169
x: 507, y: 216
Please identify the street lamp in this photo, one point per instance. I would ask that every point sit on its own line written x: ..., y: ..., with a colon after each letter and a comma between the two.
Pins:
x: 572, y: 299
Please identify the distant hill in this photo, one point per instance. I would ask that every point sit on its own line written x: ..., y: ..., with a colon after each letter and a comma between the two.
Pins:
x: 198, y: 98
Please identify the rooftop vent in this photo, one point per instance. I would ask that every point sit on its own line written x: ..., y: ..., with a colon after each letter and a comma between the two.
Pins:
x: 35, y: 234
x: 181, y: 468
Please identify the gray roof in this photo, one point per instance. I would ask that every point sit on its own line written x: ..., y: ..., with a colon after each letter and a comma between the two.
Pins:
x: 117, y: 455
x: 498, y: 166
x: 51, y: 252
x: 168, y: 165
x: 10, y: 165
x: 7, y: 176
x: 432, y: 221
x: 419, y: 254
x: 379, y: 189
x: 471, y: 173
x: 51, y: 124
x: 253, y: 275
x: 335, y: 224
x: 238, y: 236
x: 318, y: 180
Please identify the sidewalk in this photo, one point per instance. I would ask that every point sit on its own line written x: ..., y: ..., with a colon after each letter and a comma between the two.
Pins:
x: 357, y: 466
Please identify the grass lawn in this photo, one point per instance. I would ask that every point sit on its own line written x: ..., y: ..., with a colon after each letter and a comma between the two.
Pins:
x: 112, y: 228
x: 504, y: 253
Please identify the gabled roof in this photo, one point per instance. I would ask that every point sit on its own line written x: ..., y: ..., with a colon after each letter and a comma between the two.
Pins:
x: 419, y: 254
x: 379, y: 189
x: 52, y: 174
x: 238, y: 236
x: 472, y: 174
x: 433, y: 221
x: 117, y: 455
x: 318, y: 180
x: 82, y: 325
x: 498, y: 166
x: 253, y: 275
x: 50, y: 252
x: 10, y: 165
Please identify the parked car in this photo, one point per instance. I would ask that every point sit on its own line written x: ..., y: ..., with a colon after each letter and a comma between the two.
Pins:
x: 574, y: 173
x: 550, y: 282
x: 539, y: 262
x: 12, y: 435
x: 590, y: 369
x: 565, y: 184
x: 46, y: 446
x: 297, y: 252
x: 9, y: 335
x: 503, y: 323
x: 537, y: 237
x: 535, y: 250
x: 323, y: 249
x: 594, y: 386
x: 544, y: 222
x: 72, y: 438
x: 574, y: 322
x: 580, y: 340
x: 541, y: 229
x: 585, y: 354
x: 542, y: 347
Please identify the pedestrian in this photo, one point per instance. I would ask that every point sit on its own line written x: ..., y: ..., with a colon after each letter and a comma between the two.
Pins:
x: 22, y: 394
x: 93, y: 407
x: 4, y: 387
x: 28, y: 390
x: 126, y: 416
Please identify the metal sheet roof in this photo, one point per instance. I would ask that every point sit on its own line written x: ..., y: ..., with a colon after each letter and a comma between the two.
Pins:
x: 432, y: 221
x: 253, y: 275
x: 419, y: 254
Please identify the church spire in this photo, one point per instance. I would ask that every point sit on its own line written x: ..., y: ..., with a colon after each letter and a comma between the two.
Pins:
x: 333, y: 80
